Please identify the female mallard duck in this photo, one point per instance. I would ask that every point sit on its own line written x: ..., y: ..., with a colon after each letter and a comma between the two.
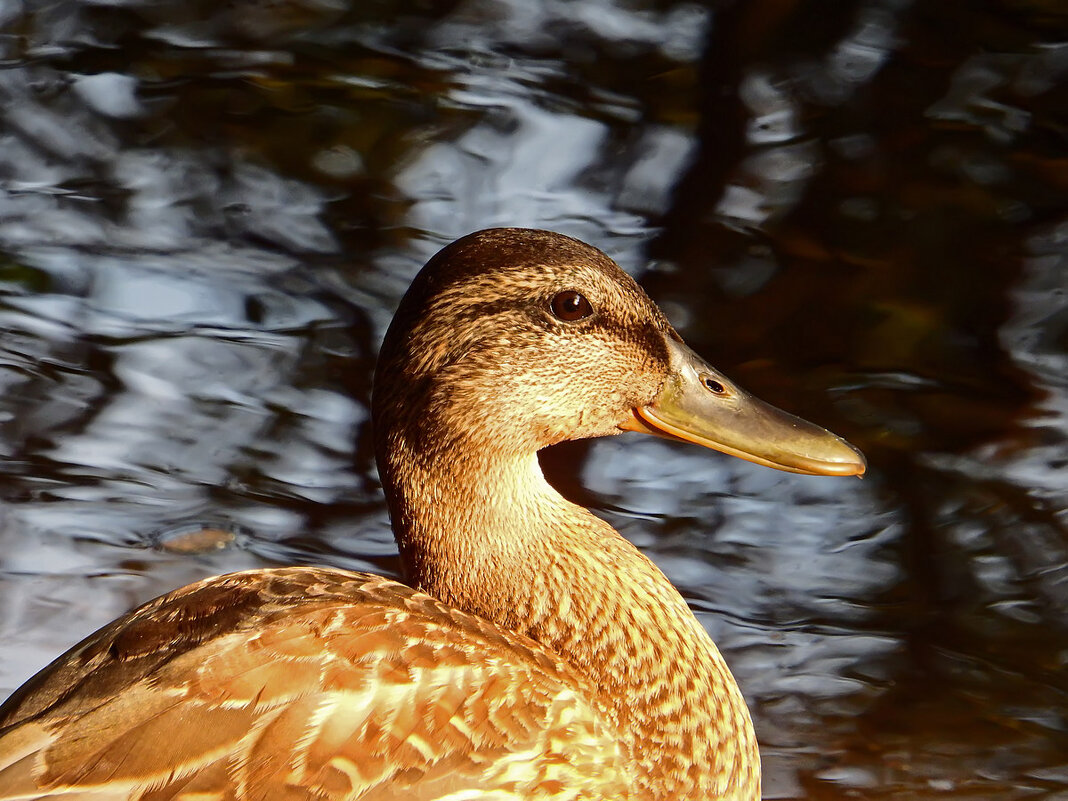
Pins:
x: 540, y: 655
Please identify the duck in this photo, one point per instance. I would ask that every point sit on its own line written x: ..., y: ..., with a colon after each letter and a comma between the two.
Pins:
x: 533, y: 652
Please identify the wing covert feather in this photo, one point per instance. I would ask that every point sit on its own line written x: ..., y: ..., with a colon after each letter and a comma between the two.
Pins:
x: 306, y: 683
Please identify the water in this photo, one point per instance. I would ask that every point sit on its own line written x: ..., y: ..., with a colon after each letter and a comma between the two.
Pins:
x: 857, y: 210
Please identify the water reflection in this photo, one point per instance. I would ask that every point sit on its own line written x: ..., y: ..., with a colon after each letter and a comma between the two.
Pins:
x: 208, y: 213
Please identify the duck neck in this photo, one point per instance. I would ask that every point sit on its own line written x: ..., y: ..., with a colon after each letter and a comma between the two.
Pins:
x: 489, y: 535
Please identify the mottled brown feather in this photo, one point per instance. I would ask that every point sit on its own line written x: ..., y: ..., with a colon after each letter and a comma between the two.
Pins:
x: 360, y: 682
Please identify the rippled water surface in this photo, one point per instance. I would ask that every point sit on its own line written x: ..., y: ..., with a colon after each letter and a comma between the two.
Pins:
x: 859, y: 210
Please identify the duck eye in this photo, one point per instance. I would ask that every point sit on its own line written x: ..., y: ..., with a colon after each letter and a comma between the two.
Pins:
x: 570, y: 306
x: 712, y: 385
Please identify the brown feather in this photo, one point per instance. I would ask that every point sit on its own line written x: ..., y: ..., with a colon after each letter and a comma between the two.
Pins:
x: 336, y: 684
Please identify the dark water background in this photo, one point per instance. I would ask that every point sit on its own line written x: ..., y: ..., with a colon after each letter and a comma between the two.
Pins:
x: 857, y: 209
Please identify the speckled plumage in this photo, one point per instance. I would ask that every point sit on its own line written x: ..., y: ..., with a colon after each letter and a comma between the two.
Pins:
x: 303, y: 683
x: 541, y: 655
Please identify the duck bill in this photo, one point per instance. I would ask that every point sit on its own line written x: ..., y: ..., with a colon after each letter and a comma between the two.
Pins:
x: 699, y: 404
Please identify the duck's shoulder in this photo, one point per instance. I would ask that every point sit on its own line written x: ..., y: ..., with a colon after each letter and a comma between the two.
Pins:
x: 321, y: 679
x: 199, y: 616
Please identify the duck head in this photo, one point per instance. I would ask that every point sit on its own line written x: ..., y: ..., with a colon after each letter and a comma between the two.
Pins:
x: 510, y: 340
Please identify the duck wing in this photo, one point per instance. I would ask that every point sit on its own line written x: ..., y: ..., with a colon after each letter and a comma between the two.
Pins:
x: 306, y: 683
